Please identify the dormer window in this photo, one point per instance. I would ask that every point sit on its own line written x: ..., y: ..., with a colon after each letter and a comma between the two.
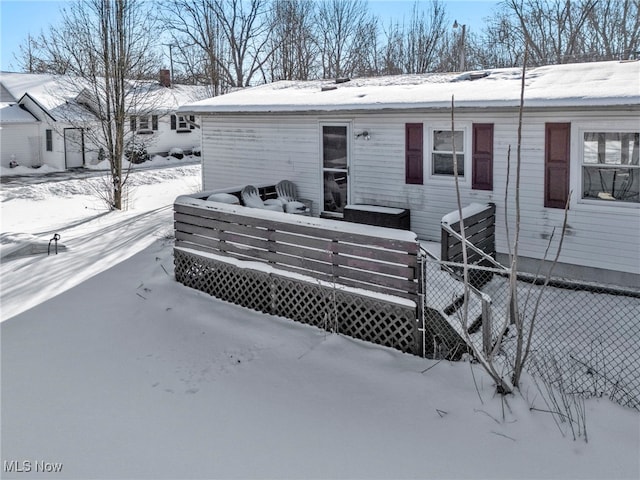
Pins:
x: 144, y: 124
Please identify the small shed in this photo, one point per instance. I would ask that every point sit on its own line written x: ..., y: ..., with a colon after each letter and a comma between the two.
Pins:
x: 390, y: 142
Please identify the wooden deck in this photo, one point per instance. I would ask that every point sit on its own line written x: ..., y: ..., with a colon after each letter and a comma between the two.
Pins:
x: 365, y: 258
x: 365, y: 281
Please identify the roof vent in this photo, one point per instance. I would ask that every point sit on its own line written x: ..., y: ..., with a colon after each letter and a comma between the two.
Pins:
x: 342, y: 80
x: 325, y: 88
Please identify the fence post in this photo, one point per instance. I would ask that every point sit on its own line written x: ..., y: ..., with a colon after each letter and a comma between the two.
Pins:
x: 486, y: 326
x: 421, y: 306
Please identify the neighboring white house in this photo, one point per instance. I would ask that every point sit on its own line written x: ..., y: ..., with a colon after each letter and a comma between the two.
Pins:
x: 387, y: 141
x: 46, y: 119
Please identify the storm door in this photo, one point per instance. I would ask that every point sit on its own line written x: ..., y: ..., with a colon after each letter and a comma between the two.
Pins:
x: 335, y: 168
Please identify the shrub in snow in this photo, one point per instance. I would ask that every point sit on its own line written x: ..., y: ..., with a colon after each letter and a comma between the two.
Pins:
x: 136, y: 152
x: 196, y: 151
x: 176, y: 153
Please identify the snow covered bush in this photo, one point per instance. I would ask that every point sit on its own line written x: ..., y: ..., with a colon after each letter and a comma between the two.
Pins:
x: 196, y: 151
x: 176, y: 153
x: 136, y: 152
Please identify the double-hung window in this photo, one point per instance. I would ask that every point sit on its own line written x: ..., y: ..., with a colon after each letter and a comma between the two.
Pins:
x: 610, y: 167
x: 442, y: 145
x: 182, y: 124
x: 144, y: 123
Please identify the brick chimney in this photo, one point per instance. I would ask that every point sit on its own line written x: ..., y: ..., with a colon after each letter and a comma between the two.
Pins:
x: 165, y: 77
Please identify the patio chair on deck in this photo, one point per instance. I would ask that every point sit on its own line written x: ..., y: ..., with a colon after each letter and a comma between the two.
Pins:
x: 287, y: 194
x: 251, y: 198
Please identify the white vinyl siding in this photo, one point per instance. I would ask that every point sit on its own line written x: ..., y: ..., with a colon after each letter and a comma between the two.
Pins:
x: 159, y: 137
x: 239, y: 151
x: 18, y: 145
x: 263, y: 149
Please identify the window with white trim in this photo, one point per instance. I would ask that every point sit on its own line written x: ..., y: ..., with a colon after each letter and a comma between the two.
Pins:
x: 442, y: 144
x: 610, y: 168
x: 182, y: 123
x: 144, y: 123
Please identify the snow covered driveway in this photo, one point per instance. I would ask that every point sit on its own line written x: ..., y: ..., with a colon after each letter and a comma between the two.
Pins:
x: 94, y: 239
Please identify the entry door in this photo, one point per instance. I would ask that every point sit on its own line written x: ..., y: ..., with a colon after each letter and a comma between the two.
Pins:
x: 73, y: 147
x: 335, y: 167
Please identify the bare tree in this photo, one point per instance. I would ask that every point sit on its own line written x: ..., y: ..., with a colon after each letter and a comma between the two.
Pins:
x: 426, y: 43
x: 519, y: 312
x: 554, y: 30
x: 560, y: 31
x: 615, y: 28
x: 231, y: 34
x: 41, y: 55
x: 197, y: 34
x: 30, y: 56
x: 363, y: 60
x: 424, y: 39
x: 105, y: 47
x: 339, y: 24
x: 502, y: 42
x: 247, y: 30
x: 392, y: 50
x: 291, y: 41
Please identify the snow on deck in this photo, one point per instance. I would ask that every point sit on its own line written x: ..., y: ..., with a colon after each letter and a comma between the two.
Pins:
x: 468, y: 211
x: 327, y: 224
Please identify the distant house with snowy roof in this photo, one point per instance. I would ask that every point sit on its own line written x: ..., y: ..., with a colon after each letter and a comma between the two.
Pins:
x: 387, y: 141
x: 46, y: 119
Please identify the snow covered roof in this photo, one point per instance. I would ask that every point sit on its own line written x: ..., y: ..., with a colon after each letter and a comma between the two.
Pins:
x: 45, y: 89
x: 58, y: 94
x: 12, y: 113
x: 586, y: 84
x: 154, y: 97
x: 5, y: 95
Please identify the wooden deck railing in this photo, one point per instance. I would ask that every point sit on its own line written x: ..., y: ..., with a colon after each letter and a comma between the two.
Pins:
x: 372, y: 258
x: 479, y: 231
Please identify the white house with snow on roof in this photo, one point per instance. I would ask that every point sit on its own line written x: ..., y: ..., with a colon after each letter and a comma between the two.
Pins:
x: 46, y: 119
x: 387, y: 141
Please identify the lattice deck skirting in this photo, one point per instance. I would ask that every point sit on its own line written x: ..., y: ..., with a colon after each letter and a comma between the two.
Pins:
x: 372, y: 319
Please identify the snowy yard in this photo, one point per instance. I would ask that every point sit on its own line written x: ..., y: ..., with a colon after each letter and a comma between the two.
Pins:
x: 114, y: 370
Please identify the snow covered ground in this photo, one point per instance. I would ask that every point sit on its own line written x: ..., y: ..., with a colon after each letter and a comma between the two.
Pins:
x: 111, y: 369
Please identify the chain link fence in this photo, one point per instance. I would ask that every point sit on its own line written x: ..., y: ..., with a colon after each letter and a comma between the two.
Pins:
x: 584, y: 338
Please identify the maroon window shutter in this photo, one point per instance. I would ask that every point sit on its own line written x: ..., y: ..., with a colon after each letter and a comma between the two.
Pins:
x: 556, y: 164
x: 482, y: 157
x: 413, y: 153
x: 173, y: 122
